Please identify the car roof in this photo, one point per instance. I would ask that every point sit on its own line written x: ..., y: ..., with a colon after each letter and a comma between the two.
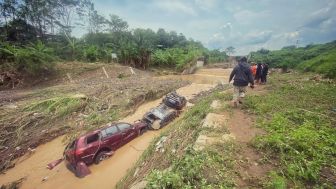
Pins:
x: 100, y: 129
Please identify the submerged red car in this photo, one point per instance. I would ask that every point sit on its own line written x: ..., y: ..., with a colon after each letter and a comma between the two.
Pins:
x: 97, y: 145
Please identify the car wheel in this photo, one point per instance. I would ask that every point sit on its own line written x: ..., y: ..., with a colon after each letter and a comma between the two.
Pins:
x: 100, y: 157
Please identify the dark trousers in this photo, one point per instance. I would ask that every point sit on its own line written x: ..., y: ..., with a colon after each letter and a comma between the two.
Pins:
x: 263, y: 78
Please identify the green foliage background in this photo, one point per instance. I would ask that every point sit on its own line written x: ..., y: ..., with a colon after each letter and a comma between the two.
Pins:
x: 320, y: 58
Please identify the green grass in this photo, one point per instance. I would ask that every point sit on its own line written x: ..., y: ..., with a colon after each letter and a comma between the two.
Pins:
x: 319, y: 58
x: 325, y: 64
x: 299, y: 118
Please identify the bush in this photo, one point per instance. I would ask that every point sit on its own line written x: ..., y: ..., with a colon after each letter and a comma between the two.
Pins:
x: 91, y: 53
x: 175, y: 57
x: 324, y: 63
x: 32, y: 59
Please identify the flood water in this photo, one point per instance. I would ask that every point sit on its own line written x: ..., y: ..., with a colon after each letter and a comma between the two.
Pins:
x: 110, y: 171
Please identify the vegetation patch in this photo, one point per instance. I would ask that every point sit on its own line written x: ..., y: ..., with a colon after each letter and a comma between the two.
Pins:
x: 319, y: 58
x: 299, y: 118
x: 59, y: 106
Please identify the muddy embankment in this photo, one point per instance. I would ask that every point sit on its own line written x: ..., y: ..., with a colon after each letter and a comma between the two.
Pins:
x: 72, y: 105
x: 109, y: 172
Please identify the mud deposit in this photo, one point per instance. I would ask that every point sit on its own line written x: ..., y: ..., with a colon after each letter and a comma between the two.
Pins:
x: 110, y: 171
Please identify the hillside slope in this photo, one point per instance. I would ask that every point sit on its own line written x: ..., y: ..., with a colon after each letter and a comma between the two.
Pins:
x: 320, y: 58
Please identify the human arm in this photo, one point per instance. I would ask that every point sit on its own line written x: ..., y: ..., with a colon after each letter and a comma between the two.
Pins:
x: 232, y: 74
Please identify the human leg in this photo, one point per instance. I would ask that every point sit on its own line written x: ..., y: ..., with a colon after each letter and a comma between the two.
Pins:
x: 235, y: 96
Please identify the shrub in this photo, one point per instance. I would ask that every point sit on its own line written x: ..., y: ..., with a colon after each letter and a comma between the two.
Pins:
x: 30, y: 59
x: 91, y: 53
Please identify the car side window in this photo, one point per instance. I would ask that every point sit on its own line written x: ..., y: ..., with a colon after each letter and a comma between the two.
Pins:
x: 124, y: 126
x: 92, y: 138
x: 111, y: 130
x: 103, y: 133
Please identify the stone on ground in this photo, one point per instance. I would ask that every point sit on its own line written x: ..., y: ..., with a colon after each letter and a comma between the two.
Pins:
x: 228, y: 137
x: 214, y: 121
x: 139, y: 185
x: 189, y: 104
x: 215, y: 104
x: 203, y: 141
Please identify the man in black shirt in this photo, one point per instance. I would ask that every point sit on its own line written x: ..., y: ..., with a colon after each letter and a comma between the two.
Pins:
x: 242, y: 76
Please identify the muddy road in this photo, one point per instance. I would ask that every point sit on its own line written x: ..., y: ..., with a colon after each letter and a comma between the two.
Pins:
x: 105, y: 175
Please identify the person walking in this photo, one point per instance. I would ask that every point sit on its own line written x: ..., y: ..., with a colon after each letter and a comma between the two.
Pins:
x: 254, y: 69
x: 264, y: 73
x: 242, y: 76
x: 258, y: 73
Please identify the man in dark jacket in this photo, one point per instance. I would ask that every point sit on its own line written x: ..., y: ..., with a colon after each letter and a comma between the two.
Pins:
x: 258, y: 73
x: 241, y: 76
x: 264, y: 73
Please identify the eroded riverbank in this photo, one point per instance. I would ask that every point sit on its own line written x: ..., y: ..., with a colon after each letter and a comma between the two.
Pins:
x: 109, y: 172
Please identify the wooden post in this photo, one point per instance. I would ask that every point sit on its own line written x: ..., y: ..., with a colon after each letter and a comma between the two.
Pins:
x: 132, y: 71
x: 107, y: 76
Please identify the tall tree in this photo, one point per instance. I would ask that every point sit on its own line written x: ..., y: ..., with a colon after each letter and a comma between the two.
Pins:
x: 97, y: 22
x: 116, y: 24
x: 230, y: 50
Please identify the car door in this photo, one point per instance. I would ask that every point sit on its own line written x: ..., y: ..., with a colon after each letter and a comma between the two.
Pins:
x: 128, y: 132
x: 112, y: 137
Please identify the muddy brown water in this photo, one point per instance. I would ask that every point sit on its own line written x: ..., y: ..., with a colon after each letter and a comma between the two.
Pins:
x: 109, y: 172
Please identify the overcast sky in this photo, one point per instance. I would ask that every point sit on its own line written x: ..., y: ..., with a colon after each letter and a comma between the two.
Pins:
x: 245, y: 24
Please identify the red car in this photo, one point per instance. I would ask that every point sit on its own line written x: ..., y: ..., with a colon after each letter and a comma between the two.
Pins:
x: 95, y: 146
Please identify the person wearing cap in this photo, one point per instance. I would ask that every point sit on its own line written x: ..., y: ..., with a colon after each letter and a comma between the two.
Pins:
x: 242, y: 76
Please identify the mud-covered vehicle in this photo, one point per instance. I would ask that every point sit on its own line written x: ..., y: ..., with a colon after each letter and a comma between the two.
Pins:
x: 167, y: 111
x: 175, y: 101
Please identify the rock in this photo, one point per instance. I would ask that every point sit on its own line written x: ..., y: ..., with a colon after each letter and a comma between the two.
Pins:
x: 203, y: 141
x: 160, y: 144
x: 215, y: 104
x: 18, y: 148
x: 140, y: 185
x: 228, y: 137
x: 189, y: 104
x: 214, y: 120
x: 45, y: 178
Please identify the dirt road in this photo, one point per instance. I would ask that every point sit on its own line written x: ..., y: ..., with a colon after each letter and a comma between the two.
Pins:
x: 109, y: 172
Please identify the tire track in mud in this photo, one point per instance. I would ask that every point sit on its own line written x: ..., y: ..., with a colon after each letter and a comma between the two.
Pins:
x: 109, y: 172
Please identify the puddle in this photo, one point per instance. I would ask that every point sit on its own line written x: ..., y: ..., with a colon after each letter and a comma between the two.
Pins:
x: 110, y: 171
